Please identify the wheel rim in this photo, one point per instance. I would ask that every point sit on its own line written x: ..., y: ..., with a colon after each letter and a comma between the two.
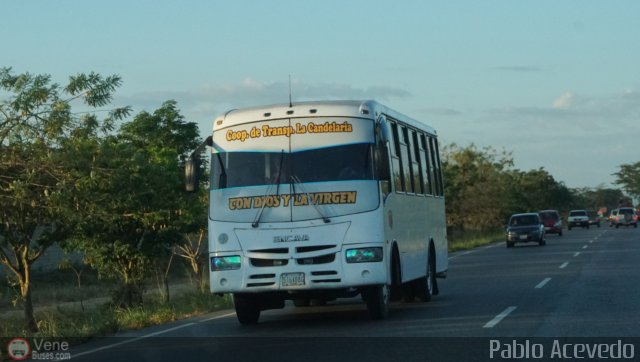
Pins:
x: 429, y: 278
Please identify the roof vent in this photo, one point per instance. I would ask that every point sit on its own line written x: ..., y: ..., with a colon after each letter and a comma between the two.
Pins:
x: 290, y: 112
x: 267, y: 114
x: 313, y: 111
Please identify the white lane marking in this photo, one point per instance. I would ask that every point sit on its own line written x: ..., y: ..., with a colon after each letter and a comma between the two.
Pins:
x: 576, y: 254
x: 130, y: 340
x: 217, y: 317
x: 492, y: 323
x: 591, y: 241
x: 586, y: 246
x: 564, y: 265
x: 543, y: 283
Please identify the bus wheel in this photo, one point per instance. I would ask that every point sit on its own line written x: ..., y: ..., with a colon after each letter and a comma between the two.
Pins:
x: 247, y: 309
x: 427, y: 284
x: 377, y: 299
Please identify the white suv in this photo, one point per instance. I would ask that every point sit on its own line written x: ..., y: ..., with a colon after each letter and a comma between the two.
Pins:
x: 578, y: 218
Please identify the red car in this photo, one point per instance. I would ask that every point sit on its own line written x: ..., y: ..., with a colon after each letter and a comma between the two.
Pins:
x: 551, y: 221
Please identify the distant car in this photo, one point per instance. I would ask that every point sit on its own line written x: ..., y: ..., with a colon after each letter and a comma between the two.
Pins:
x: 612, y: 217
x: 523, y: 228
x: 551, y: 221
x: 594, y: 218
x: 627, y: 216
x: 578, y: 218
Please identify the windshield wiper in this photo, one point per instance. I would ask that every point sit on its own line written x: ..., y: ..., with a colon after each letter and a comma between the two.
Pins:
x: 256, y: 222
x: 297, y: 181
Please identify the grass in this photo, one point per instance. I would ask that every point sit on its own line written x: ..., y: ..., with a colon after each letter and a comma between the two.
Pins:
x: 103, y: 320
x: 472, y: 239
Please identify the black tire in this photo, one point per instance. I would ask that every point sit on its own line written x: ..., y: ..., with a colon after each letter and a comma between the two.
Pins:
x: 302, y: 302
x: 377, y: 299
x: 509, y: 245
x: 425, y: 287
x: 542, y: 242
x: 560, y: 233
x: 617, y: 226
x: 635, y: 226
x: 569, y: 227
x: 247, y: 310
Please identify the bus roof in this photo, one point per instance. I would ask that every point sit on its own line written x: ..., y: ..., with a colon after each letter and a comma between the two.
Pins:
x: 348, y: 108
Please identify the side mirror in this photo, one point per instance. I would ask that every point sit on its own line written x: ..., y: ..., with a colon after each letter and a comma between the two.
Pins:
x: 191, y: 174
x: 383, y: 130
x: 192, y: 166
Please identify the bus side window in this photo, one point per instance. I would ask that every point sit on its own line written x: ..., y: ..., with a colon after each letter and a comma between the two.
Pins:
x: 415, y: 163
x: 398, y: 172
x: 436, y: 168
x: 405, y: 156
x: 429, y: 172
x: 422, y: 157
x: 439, y: 168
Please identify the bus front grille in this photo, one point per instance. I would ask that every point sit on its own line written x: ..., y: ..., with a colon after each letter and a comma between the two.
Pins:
x: 268, y: 262
x: 323, y: 259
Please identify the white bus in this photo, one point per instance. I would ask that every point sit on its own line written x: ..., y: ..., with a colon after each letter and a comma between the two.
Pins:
x: 323, y: 200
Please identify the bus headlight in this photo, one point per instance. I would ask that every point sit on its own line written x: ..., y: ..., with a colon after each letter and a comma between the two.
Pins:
x: 225, y: 263
x: 364, y: 255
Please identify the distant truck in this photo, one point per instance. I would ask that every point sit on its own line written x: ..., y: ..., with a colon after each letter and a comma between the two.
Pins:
x: 578, y: 218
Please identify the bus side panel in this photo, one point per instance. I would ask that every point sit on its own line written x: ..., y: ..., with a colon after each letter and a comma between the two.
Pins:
x: 412, y: 221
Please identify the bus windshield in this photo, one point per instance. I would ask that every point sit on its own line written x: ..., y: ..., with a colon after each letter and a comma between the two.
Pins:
x: 337, y: 163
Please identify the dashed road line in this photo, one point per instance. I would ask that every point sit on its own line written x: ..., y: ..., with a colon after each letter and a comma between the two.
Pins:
x: 576, y: 254
x: 586, y: 246
x: 564, y: 265
x: 497, y: 319
x: 543, y: 283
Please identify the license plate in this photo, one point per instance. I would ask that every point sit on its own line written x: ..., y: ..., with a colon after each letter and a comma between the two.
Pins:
x: 291, y: 279
x: 523, y: 237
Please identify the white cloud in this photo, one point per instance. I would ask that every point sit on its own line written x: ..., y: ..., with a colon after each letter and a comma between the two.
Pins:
x: 564, y: 101
x: 581, y: 139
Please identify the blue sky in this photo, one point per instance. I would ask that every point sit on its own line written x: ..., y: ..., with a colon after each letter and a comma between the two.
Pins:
x: 555, y: 82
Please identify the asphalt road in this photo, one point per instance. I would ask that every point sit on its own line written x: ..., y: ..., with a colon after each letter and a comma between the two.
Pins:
x: 583, y: 284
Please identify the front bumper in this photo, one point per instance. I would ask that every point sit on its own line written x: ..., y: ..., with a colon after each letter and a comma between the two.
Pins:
x: 325, y: 272
x: 523, y: 238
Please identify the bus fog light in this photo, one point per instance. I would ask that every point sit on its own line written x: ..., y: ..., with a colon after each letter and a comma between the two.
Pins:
x: 364, y: 255
x: 225, y: 263
x: 223, y: 238
x: 366, y: 273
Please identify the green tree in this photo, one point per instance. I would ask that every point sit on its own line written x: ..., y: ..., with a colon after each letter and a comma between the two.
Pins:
x: 132, y: 193
x: 475, y: 181
x: 594, y: 199
x: 535, y: 190
x: 36, y: 125
x: 629, y: 178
